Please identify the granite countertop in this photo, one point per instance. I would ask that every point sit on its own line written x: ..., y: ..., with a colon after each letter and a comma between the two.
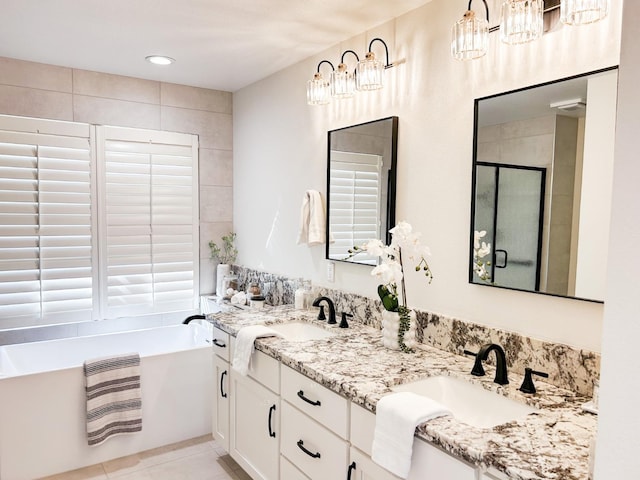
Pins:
x: 552, y: 443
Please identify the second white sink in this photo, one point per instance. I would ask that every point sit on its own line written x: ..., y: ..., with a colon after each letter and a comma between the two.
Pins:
x: 301, y: 331
x: 469, y: 403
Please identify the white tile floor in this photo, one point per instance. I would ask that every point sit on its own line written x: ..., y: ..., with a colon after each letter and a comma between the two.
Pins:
x: 196, y: 459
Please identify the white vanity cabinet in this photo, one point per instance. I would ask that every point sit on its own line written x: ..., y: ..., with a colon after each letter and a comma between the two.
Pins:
x: 255, y: 418
x: 221, y: 403
x: 428, y: 461
x: 315, y: 429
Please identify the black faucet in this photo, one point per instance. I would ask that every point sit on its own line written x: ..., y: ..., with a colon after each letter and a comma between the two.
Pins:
x: 501, y: 362
x: 332, y: 309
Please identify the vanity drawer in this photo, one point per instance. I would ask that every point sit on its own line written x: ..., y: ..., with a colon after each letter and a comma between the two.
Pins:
x: 320, y: 403
x: 326, y: 454
x: 363, y: 424
x: 221, y: 344
x: 263, y: 368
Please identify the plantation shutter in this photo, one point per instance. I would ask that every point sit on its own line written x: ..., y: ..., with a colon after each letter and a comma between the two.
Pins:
x: 46, y: 230
x: 354, y: 202
x: 149, y: 221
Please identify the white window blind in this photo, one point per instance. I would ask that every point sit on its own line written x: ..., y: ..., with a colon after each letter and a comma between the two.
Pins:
x: 46, y: 231
x: 354, y: 202
x: 148, y: 221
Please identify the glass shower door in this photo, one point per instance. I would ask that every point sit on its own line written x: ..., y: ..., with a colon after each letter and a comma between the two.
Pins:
x: 509, y: 206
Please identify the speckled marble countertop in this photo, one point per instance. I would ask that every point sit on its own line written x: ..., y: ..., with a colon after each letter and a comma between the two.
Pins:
x: 552, y: 443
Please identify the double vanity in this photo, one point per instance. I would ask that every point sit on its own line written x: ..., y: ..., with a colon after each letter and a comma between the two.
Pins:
x: 306, y: 409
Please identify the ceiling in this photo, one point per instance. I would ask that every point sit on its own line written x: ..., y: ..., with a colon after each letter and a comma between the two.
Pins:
x: 219, y: 44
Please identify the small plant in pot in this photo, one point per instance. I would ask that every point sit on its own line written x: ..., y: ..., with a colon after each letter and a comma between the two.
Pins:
x: 225, y: 255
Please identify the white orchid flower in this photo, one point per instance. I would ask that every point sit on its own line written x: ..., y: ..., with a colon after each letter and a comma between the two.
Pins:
x: 401, y: 231
x: 388, y: 272
x: 477, y: 235
x: 375, y: 247
x: 483, y: 250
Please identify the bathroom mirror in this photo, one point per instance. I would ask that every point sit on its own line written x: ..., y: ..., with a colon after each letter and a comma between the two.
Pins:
x: 361, y: 187
x: 541, y: 190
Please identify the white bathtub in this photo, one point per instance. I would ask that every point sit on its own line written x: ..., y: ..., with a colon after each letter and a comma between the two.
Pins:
x: 42, y: 401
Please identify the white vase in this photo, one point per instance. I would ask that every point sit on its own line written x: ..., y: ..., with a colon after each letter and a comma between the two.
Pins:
x: 390, y: 327
x: 222, y: 270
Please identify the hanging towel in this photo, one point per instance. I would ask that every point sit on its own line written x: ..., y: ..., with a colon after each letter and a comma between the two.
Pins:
x: 244, y: 346
x: 114, y: 403
x: 312, y: 219
x: 397, y: 416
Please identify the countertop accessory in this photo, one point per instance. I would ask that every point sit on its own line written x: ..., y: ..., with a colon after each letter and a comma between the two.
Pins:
x: 397, y: 416
x: 257, y: 302
x: 527, y: 384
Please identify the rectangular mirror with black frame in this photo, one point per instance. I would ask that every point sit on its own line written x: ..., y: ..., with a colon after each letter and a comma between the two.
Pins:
x: 541, y: 189
x: 361, y: 187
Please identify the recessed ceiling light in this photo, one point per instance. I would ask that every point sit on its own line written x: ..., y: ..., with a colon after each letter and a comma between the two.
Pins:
x: 159, y: 60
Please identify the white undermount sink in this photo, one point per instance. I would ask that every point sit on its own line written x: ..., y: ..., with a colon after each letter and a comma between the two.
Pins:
x: 469, y: 403
x: 301, y: 331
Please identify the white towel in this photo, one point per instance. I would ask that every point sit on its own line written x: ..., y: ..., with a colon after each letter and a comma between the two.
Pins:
x: 113, y: 397
x: 397, y: 416
x: 312, y: 219
x: 244, y: 345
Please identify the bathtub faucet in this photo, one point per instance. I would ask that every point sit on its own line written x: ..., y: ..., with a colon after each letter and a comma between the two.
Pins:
x: 193, y: 317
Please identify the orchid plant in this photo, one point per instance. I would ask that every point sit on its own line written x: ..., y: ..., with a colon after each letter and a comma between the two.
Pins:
x: 405, y: 246
x: 481, y: 250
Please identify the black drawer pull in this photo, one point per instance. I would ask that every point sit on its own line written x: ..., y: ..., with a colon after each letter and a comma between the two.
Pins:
x: 222, y: 393
x: 218, y: 343
x: 312, y: 455
x: 351, y: 468
x: 272, y: 409
x: 315, y: 403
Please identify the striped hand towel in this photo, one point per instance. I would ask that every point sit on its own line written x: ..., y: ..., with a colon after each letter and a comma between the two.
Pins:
x: 114, y: 404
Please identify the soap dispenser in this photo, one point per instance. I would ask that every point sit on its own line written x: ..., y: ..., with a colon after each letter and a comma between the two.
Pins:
x: 299, y: 297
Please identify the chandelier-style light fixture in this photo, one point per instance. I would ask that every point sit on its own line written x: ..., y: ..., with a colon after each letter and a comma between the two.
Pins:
x: 521, y: 21
x: 343, y: 82
x: 318, y: 88
x: 470, y: 35
x: 583, y: 12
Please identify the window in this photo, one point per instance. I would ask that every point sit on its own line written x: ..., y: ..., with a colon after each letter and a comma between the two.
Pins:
x: 76, y: 242
x: 355, y: 202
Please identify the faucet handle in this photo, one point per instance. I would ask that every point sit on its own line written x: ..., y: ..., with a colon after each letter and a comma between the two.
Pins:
x: 527, y: 384
x: 343, y: 322
x: 478, y: 369
x: 321, y: 315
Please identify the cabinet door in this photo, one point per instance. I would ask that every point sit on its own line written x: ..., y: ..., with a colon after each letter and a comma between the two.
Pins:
x: 221, y: 402
x: 429, y: 461
x: 255, y: 425
x: 361, y: 467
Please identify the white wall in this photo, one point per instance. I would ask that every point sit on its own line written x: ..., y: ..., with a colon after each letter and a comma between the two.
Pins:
x: 280, y: 151
x: 619, y: 422
x: 597, y: 177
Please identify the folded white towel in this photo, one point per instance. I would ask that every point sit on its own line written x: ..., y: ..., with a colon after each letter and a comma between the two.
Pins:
x: 312, y: 219
x: 397, y: 416
x: 244, y: 345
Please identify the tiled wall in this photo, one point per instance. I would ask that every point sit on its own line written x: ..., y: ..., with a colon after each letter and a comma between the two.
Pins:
x: 60, y: 93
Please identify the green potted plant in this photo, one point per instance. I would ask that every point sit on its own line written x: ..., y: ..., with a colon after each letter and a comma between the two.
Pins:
x: 225, y: 255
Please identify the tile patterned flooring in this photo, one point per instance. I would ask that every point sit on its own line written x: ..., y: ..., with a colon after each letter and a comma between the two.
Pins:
x: 196, y: 459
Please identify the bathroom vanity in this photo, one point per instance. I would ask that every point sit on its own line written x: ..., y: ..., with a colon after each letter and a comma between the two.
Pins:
x: 306, y: 409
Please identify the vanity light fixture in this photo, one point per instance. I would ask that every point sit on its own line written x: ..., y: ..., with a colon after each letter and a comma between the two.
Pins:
x: 159, y: 59
x: 470, y: 35
x: 318, y: 88
x: 583, y: 12
x: 521, y: 21
x: 343, y: 81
